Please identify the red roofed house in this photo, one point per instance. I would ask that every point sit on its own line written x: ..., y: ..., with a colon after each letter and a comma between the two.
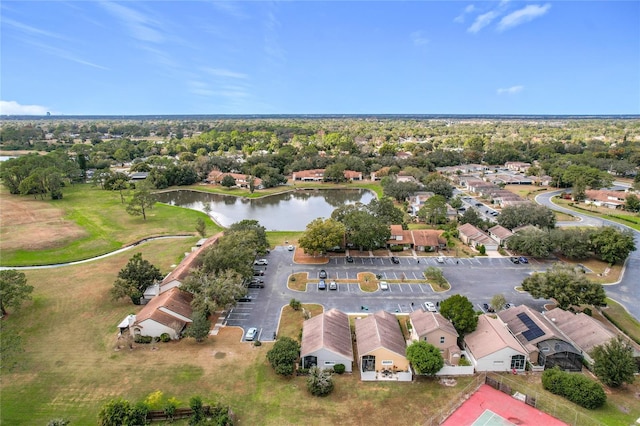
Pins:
x: 182, y: 271
x: 400, y: 237
x: 475, y: 237
x: 168, y: 313
x: 428, y: 239
x: 603, y: 198
x: 242, y: 180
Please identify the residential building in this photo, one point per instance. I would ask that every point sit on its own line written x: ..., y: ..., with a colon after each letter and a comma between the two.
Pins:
x: 491, y: 347
x: 326, y: 341
x: 381, y: 348
x: 433, y: 328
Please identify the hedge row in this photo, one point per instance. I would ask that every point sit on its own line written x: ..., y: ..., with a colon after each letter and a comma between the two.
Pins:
x: 574, y: 387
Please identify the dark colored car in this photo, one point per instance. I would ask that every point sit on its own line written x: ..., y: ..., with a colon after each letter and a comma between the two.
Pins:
x: 245, y: 298
x: 523, y: 259
x: 514, y: 259
x: 487, y: 308
x: 323, y: 274
x: 349, y: 259
x: 258, y: 272
x: 256, y: 283
x: 395, y: 259
x: 322, y: 285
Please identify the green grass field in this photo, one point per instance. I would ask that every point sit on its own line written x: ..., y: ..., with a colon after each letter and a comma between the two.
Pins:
x: 107, y: 225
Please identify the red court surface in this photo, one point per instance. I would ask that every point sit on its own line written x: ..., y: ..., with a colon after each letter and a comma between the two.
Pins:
x: 511, y: 409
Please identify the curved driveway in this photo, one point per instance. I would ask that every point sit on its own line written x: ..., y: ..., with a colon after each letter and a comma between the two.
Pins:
x: 627, y: 290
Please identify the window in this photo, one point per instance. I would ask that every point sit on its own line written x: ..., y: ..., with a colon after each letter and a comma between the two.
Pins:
x: 517, y: 362
x: 368, y: 363
x: 441, y: 339
x: 387, y: 362
x: 329, y: 363
x: 498, y: 362
x: 425, y: 338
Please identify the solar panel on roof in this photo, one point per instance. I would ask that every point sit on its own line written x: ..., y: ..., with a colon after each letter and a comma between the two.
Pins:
x: 533, y: 331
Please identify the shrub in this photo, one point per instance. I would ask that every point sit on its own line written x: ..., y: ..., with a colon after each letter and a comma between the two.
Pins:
x: 396, y: 248
x: 319, y: 382
x: 143, y: 339
x: 165, y: 337
x: 302, y: 372
x: 339, y: 368
x: 574, y: 387
x: 295, y: 304
x: 257, y: 343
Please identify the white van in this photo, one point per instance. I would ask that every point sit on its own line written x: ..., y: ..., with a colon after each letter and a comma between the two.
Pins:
x: 440, y: 259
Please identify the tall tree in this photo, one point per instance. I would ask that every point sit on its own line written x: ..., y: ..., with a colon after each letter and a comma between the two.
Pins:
x: 134, y: 278
x: 384, y: 210
x: 531, y: 242
x: 459, y: 310
x: 142, y: 201
x: 13, y: 289
x: 319, y: 382
x: 321, y: 235
x: 212, y: 291
x: 434, y: 210
x: 199, y: 328
x: 527, y: 214
x: 612, y: 244
x: 425, y: 358
x: 201, y: 227
x: 614, y: 362
x: 283, y: 355
x: 566, y: 286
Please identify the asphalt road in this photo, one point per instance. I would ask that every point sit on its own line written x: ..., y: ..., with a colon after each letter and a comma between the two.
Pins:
x: 627, y: 290
x: 479, y: 279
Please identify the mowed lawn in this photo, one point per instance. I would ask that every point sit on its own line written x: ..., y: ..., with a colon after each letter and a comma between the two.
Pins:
x: 105, y: 225
x: 72, y: 364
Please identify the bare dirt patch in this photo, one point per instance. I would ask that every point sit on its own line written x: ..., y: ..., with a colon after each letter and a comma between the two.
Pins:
x: 28, y: 224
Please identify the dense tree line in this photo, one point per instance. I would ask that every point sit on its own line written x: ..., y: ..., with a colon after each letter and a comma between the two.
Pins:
x: 607, y: 243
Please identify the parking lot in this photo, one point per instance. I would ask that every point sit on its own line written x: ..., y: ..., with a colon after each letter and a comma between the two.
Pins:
x: 476, y: 278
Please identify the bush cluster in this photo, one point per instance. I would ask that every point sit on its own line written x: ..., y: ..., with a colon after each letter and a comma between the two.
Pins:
x: 143, y: 339
x: 165, y: 337
x: 339, y: 368
x: 574, y: 387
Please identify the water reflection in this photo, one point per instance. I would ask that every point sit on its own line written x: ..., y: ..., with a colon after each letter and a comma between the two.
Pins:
x: 291, y: 211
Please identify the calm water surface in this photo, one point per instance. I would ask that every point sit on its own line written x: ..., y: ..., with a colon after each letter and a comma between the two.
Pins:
x: 282, y: 212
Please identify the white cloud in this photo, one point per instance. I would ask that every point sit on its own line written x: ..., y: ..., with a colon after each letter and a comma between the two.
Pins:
x: 419, y: 39
x: 221, y: 72
x: 482, y: 21
x: 65, y: 54
x: 510, y: 90
x: 140, y: 26
x: 460, y: 18
x: 32, y: 30
x: 14, y: 108
x: 521, y: 16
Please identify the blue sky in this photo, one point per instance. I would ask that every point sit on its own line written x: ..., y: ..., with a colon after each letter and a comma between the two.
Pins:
x: 325, y: 57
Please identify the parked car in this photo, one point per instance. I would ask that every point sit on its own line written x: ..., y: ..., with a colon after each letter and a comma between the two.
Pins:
x: 523, y: 259
x: 487, y: 307
x: 251, y: 334
x: 514, y: 259
x: 322, y: 285
x: 350, y: 259
x: 384, y: 286
x: 256, y: 283
x: 509, y: 305
x: 395, y: 260
x: 258, y: 272
x: 323, y: 274
x: 290, y: 248
x: 333, y: 285
x: 261, y: 262
x: 245, y: 298
x: 440, y: 259
x: 429, y: 307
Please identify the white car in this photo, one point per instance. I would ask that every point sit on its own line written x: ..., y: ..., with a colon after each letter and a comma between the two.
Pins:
x: 251, y: 334
x: 261, y: 262
x: 384, y: 286
x: 429, y: 307
x: 290, y: 248
x: 440, y: 259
